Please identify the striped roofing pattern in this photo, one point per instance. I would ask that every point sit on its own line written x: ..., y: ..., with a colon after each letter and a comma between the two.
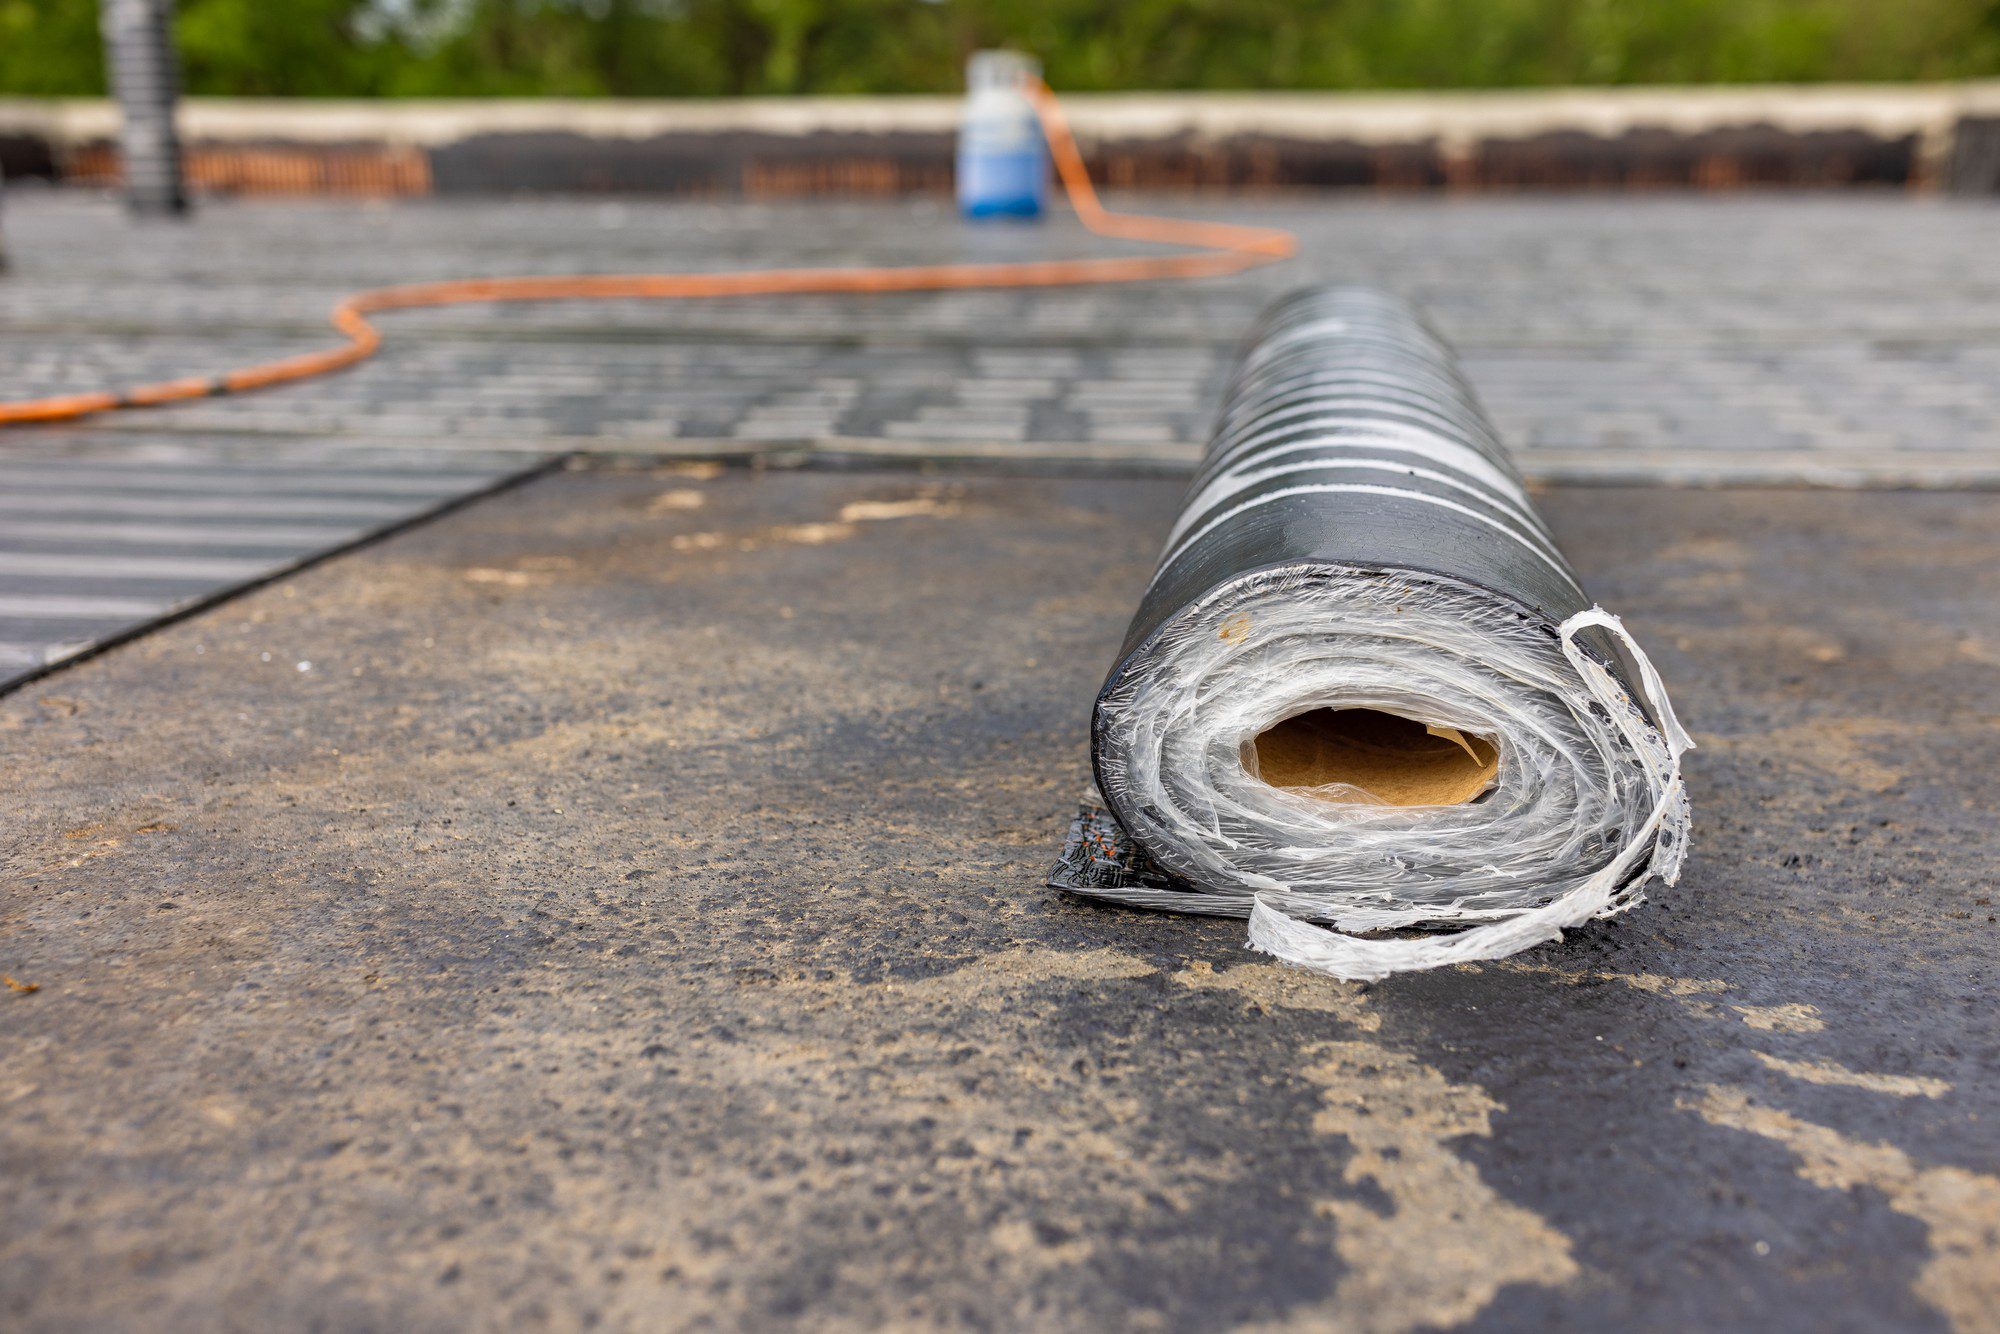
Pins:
x: 99, y: 544
x: 1348, y: 433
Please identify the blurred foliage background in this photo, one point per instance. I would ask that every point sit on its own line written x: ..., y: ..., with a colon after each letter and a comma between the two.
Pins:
x: 679, y: 48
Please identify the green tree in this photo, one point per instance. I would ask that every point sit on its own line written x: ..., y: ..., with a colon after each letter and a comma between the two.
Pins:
x: 665, y: 48
x: 50, y: 47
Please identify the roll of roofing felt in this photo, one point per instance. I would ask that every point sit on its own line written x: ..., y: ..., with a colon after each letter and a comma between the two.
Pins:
x: 1364, y: 689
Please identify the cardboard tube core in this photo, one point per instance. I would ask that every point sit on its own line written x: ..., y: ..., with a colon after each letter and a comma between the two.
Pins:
x: 1399, y: 760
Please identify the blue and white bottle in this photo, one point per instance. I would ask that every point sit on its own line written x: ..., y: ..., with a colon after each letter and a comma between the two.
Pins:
x: 1003, y: 165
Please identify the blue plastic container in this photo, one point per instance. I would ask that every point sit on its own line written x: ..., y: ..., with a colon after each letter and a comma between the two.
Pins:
x: 1003, y: 164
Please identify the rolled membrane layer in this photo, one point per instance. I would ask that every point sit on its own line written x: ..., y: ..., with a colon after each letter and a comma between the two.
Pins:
x: 1364, y: 689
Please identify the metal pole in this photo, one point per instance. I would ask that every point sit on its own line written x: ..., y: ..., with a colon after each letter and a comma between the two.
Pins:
x: 145, y: 78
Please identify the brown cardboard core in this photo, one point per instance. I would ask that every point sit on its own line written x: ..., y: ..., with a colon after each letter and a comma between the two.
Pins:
x: 1400, y: 760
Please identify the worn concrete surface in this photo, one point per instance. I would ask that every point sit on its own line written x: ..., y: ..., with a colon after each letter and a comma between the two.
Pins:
x: 632, y: 916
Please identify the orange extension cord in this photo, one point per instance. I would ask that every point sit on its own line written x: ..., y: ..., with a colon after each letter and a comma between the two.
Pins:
x: 1221, y: 248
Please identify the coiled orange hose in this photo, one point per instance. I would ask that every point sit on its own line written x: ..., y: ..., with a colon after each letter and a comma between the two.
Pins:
x: 1220, y: 248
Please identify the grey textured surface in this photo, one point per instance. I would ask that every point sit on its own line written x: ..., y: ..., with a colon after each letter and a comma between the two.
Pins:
x: 1846, y: 339
x: 100, y: 538
x: 633, y: 918
x: 1835, y: 337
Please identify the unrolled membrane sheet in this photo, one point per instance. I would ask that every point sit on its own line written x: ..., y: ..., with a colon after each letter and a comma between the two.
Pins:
x: 1365, y: 701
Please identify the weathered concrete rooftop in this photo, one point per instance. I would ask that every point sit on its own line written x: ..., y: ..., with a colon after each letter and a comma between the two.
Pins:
x: 618, y: 900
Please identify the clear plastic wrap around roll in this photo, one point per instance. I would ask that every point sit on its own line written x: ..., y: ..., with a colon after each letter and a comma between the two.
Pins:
x: 1365, y: 701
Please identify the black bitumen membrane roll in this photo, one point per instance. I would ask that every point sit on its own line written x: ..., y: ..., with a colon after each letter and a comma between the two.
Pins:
x: 1364, y: 688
